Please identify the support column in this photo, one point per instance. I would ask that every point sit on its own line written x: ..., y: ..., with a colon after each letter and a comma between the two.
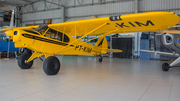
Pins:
x: 136, y: 35
x: 63, y: 14
x: 136, y: 6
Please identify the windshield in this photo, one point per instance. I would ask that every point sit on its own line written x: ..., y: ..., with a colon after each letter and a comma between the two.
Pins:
x: 41, y: 28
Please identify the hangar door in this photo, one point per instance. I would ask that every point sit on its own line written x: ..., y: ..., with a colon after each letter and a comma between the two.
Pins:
x: 124, y: 44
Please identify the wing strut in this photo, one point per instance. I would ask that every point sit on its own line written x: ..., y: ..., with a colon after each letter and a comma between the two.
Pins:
x: 82, y: 37
x: 175, y: 62
x: 103, y: 34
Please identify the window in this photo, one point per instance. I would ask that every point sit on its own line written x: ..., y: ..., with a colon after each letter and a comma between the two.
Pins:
x: 51, y: 33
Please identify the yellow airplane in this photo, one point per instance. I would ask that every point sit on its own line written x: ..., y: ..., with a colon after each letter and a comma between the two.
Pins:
x: 59, y: 38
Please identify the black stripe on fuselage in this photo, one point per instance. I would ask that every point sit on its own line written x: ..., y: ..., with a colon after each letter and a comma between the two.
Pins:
x: 44, y: 39
x: 31, y: 32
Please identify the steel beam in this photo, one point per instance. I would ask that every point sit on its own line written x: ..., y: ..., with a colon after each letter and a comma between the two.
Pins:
x: 26, y: 0
x: 90, y: 4
x: 8, y: 3
x: 53, y: 3
x: 31, y: 2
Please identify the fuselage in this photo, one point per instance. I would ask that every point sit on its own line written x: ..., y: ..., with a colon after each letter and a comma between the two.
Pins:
x: 53, y: 44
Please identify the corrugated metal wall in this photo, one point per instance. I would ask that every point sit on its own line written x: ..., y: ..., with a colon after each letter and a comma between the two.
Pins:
x: 83, y: 9
x: 159, y: 5
x: 110, y: 8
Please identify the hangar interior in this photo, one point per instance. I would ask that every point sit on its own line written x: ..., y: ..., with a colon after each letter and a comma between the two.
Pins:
x: 128, y: 76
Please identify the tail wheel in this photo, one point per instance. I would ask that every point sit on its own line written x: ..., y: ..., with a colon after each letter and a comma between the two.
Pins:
x: 165, y: 66
x: 100, y: 59
x: 51, y: 65
x: 22, y: 61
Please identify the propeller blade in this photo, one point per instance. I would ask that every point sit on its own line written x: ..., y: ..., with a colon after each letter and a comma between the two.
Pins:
x: 12, y: 20
x: 171, y: 31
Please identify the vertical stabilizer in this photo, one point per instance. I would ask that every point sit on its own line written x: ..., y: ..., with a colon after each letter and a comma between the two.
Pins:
x: 102, y: 43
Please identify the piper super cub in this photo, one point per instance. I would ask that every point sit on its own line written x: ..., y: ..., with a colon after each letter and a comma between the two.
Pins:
x: 59, y: 38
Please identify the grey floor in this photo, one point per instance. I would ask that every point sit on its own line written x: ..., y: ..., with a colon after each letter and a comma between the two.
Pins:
x: 85, y: 79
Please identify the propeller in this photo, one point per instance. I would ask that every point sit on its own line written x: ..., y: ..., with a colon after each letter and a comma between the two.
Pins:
x: 10, y: 32
x: 12, y: 20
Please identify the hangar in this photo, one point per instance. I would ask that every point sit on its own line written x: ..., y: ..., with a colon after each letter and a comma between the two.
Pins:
x: 132, y: 75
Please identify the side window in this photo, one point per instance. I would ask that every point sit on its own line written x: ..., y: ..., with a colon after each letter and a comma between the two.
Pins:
x: 57, y: 35
x: 66, y: 38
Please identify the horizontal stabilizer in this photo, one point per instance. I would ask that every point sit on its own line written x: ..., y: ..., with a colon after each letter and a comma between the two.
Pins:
x: 161, y: 53
x: 114, y: 50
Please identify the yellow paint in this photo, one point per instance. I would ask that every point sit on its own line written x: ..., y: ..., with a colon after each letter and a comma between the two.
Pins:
x: 178, y: 41
x: 161, y: 21
x: 171, y: 31
x: 35, y: 55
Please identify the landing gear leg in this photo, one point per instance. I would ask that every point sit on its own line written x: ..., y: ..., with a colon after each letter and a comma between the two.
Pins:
x: 101, y: 58
x: 51, y: 65
x: 22, y: 61
x: 165, y: 66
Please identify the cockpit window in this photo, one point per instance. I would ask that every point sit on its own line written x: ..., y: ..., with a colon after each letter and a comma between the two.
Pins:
x: 41, y: 28
x: 168, y: 39
x: 51, y: 33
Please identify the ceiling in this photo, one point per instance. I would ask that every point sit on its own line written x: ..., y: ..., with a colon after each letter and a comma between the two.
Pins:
x: 9, y: 5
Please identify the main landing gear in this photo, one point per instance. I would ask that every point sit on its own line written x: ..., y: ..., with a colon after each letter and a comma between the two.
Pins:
x: 101, y: 58
x: 51, y: 65
x: 165, y: 66
x: 22, y: 61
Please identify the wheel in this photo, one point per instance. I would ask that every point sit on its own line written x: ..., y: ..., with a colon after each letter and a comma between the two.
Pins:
x: 165, y: 66
x: 51, y: 65
x: 22, y: 61
x: 100, y: 59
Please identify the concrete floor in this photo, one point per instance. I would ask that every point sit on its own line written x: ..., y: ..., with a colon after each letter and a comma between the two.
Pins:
x: 85, y: 79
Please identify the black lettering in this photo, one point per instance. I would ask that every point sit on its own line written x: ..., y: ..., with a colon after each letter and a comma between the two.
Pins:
x: 80, y: 47
x: 122, y: 25
x: 89, y: 50
x: 132, y: 24
x: 77, y: 47
x: 147, y: 23
x: 85, y: 49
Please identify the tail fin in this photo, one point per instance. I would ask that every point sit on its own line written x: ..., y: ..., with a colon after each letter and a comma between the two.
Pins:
x: 102, y: 44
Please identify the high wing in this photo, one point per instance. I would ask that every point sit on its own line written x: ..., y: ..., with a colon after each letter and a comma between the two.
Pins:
x: 162, y: 53
x: 140, y: 22
x: 27, y: 28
